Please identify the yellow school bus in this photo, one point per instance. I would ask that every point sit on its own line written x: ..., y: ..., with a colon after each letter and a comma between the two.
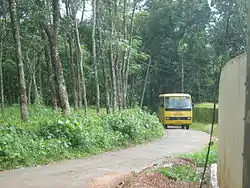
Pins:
x: 175, y: 110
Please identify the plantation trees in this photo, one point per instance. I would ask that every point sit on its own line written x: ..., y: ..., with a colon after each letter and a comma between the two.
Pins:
x: 19, y: 58
x: 52, y: 34
x: 67, y: 55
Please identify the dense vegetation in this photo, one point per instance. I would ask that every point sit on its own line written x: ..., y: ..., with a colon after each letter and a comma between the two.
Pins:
x: 68, y: 56
x: 49, y: 136
x: 124, y: 52
x: 189, y: 172
x: 185, y: 173
x: 203, y: 113
x: 199, y: 158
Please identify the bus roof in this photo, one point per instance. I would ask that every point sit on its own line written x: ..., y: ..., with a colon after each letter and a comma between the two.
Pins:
x: 174, y: 95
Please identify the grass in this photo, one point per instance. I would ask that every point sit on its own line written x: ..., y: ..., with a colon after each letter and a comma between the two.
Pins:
x: 206, y: 105
x: 185, y: 173
x: 48, y: 136
x: 200, y: 157
x: 12, y: 114
x: 188, y: 173
x: 205, y: 128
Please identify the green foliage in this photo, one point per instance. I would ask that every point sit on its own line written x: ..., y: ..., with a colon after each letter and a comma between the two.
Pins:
x: 188, y: 173
x: 184, y: 173
x: 174, y: 33
x: 206, y: 105
x: 50, y: 137
x: 200, y: 34
x: 200, y: 157
x: 205, y: 128
x: 204, y: 114
x: 23, y: 148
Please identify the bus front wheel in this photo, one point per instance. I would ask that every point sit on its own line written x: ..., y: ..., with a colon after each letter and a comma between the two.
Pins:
x: 187, y: 126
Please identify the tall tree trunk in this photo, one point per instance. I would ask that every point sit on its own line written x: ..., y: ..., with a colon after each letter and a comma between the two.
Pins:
x: 72, y: 64
x: 182, y: 76
x: 29, y: 89
x: 145, y: 84
x: 71, y: 58
x: 82, y: 88
x: 111, y: 58
x: 104, y: 73
x: 127, y: 63
x: 199, y: 91
x: 83, y: 9
x: 101, y: 52
x: 124, y: 53
x: 16, y: 34
x: 94, y: 57
x: 32, y: 74
x: 117, y: 60
x: 79, y: 81
x: 40, y: 81
x: 1, y: 65
x: 36, y: 92
x: 53, y: 38
x: 52, y: 78
x: 118, y: 80
x: 37, y: 100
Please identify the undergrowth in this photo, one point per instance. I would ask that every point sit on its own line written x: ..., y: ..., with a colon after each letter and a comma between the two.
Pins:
x: 205, y: 128
x: 184, y: 173
x: 188, y: 173
x: 199, y: 158
x: 48, y: 136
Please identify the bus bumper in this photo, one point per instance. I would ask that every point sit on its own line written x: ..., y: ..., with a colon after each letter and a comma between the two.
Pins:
x: 177, y: 122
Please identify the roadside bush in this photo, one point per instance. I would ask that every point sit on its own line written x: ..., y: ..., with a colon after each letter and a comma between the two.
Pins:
x: 23, y: 148
x: 56, y: 137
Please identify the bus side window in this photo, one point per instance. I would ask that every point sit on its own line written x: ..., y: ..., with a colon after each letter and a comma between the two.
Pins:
x: 161, y: 102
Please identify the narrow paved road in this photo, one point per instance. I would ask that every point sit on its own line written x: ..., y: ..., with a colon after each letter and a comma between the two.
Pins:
x: 76, y: 173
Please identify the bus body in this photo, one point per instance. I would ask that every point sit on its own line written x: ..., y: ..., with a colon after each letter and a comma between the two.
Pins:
x: 176, y: 110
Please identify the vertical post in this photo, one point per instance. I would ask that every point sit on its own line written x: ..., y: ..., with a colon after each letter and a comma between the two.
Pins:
x: 246, y: 147
x: 182, y: 75
x: 145, y: 83
x: 1, y: 64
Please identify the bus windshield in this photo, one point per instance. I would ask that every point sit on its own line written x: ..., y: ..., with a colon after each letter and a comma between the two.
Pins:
x: 178, y: 102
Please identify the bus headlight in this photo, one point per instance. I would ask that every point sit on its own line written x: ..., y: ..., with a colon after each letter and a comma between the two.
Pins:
x: 167, y: 118
x: 189, y: 118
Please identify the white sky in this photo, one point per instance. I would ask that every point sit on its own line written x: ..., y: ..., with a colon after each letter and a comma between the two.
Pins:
x: 88, y: 10
x: 87, y: 13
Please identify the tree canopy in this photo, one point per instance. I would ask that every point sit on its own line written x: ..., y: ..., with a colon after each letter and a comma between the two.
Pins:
x: 63, y: 59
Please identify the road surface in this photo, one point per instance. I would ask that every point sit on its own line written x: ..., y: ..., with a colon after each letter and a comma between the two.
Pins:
x: 77, y: 173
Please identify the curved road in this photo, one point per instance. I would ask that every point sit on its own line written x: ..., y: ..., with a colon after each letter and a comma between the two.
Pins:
x: 77, y: 173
